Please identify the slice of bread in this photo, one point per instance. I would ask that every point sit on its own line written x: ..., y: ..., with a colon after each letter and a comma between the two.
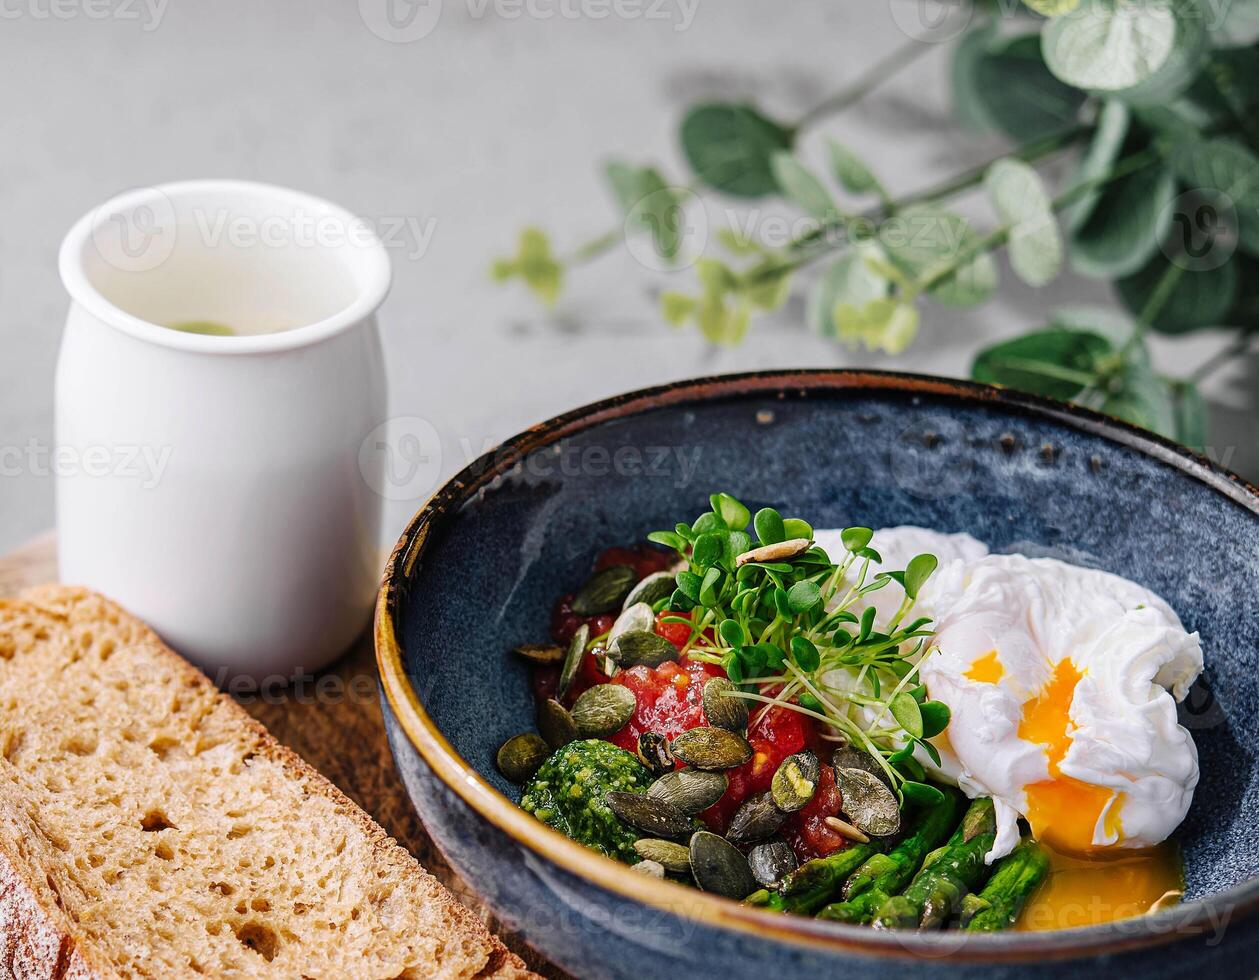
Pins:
x: 150, y: 828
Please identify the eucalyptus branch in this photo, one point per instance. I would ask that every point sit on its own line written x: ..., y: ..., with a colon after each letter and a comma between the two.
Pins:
x: 881, y: 71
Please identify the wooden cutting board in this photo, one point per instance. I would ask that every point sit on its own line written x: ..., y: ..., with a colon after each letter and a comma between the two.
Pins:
x: 344, y: 738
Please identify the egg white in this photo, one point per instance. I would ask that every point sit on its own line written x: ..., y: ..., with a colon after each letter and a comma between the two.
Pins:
x: 1134, y: 657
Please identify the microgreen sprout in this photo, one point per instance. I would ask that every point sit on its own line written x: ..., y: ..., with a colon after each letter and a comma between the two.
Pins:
x: 799, y: 633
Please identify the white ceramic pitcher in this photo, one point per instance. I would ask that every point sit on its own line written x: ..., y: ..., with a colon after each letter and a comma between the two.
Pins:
x: 214, y: 485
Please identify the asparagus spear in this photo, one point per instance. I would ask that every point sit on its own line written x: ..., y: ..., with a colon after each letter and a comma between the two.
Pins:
x: 884, y: 875
x: 812, y: 885
x: 1011, y: 885
x: 938, y: 889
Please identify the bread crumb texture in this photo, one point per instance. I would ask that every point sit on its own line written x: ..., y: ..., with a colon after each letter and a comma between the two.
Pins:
x: 150, y: 828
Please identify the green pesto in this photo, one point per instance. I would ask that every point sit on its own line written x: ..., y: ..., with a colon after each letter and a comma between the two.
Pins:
x: 567, y: 794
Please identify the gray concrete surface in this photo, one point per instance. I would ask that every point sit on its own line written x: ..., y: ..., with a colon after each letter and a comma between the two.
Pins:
x: 497, y: 117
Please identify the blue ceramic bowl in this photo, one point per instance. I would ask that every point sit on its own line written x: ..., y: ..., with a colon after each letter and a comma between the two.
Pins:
x: 479, y: 567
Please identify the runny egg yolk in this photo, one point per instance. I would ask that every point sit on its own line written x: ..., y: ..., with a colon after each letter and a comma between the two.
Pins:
x: 1090, y: 891
x: 1087, y: 885
x: 1063, y: 811
x: 988, y: 669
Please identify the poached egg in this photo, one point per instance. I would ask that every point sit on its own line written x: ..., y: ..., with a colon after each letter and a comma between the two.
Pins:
x: 1062, y: 682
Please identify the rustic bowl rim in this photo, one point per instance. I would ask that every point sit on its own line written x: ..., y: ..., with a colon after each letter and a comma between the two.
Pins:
x: 1192, y: 918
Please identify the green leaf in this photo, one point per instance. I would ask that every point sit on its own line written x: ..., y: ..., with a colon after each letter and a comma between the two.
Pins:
x: 968, y: 99
x: 801, y: 187
x: 849, y: 280
x: 917, y: 572
x: 803, y: 596
x: 1098, y: 161
x: 856, y: 538
x: 650, y: 204
x: 1018, y: 93
x: 710, y: 586
x: 732, y: 633
x: 921, y: 240
x: 921, y: 794
x: 669, y: 539
x: 730, y: 148
x: 1137, y: 395
x: 708, y: 521
x: 1200, y: 298
x: 689, y: 585
x: 882, y: 324
x: 1189, y: 53
x: 677, y: 308
x: 867, y: 624
x: 935, y: 718
x: 734, y: 667
x: 736, y: 543
x: 1125, y: 227
x: 769, y: 526
x: 708, y: 549
x: 793, y: 528
x: 735, y: 515
x: 805, y: 654
x: 533, y: 263
x: 907, y: 713
x: 1056, y: 363
x: 807, y: 700
x: 1110, y: 45
x: 1220, y: 165
x: 1021, y: 201
x: 853, y: 175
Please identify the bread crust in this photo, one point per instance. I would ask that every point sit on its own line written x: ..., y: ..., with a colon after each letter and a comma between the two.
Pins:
x: 38, y: 936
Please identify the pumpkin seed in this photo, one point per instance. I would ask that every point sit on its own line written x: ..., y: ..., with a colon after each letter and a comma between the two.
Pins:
x: 651, y: 816
x: 756, y: 819
x: 543, y: 654
x: 772, y: 862
x: 572, y: 659
x: 851, y: 757
x: 652, y: 869
x: 603, y: 710
x: 641, y: 648
x: 653, y: 752
x: 722, y: 709
x: 656, y: 586
x: 668, y: 854
x: 521, y: 756
x: 556, y: 724
x: 719, y: 867
x: 795, y: 782
x: 604, y: 590
x: 711, y: 748
x: 782, y: 551
x: 636, y: 618
x: 690, y: 790
x: 870, y: 805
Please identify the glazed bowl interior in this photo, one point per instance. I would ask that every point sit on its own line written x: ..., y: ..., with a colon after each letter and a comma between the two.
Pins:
x: 479, y: 570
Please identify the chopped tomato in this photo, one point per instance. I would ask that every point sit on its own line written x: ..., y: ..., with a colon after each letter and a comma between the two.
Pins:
x: 670, y: 699
x: 806, y: 830
x: 644, y: 559
x: 778, y: 733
